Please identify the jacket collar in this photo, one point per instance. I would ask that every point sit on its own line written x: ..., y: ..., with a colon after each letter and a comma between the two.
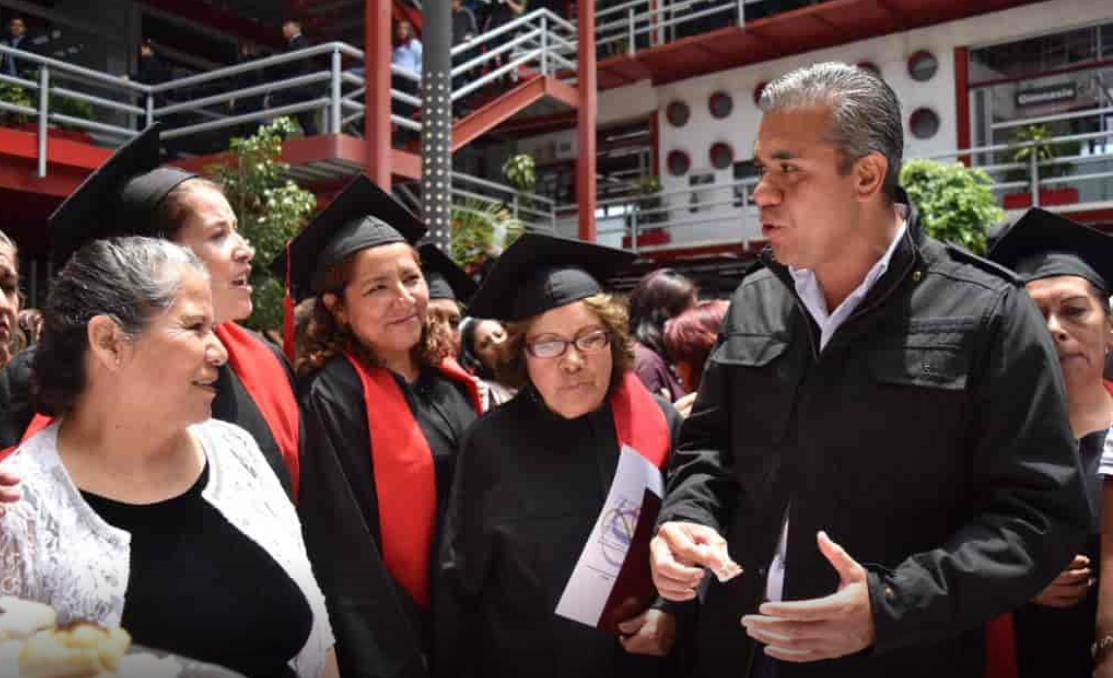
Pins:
x: 905, y: 258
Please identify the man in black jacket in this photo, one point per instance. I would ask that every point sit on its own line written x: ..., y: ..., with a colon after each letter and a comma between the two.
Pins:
x: 875, y: 388
x: 296, y: 40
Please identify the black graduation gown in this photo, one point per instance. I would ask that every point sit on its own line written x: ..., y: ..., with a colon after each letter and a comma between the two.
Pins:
x: 379, y: 629
x: 16, y: 410
x: 235, y: 405
x: 232, y: 404
x: 529, y: 488
x: 1056, y: 642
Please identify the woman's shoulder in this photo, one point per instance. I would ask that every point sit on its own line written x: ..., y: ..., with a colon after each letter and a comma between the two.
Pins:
x: 36, y: 457
x: 335, y: 379
x: 497, y: 426
x: 222, y: 439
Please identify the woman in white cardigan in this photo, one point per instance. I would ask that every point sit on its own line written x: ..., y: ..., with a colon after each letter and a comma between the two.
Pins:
x: 138, y: 509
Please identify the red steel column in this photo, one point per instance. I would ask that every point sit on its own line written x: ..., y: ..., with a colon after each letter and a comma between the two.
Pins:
x: 376, y: 121
x: 962, y: 100
x: 585, y: 122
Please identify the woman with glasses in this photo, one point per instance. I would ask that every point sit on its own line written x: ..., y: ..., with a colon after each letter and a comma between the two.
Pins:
x: 533, y: 474
x: 384, y: 416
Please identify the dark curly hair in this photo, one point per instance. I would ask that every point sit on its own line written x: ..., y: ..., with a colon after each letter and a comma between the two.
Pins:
x: 659, y: 296
x: 512, y: 369
x: 130, y: 280
x: 325, y: 338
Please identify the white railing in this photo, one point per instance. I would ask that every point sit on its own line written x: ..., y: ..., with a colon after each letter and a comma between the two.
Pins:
x: 537, y: 42
x: 724, y: 212
x: 1092, y: 154
x: 621, y: 28
x: 687, y: 214
x: 335, y: 90
x: 52, y: 72
x: 533, y: 210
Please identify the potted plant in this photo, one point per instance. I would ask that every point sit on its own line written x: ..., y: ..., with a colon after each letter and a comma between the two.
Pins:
x: 14, y: 94
x: 1038, y: 143
x: 481, y: 230
x: 649, y: 189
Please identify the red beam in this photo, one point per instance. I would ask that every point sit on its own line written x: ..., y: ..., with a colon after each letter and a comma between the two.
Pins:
x: 586, y: 116
x: 561, y: 92
x: 376, y: 123
x: 962, y: 99
x: 488, y: 116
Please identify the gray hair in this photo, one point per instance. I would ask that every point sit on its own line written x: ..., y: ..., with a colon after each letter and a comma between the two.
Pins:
x: 865, y: 112
x: 130, y: 280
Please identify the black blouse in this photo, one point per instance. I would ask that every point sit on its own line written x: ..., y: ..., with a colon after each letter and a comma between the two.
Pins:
x: 200, y: 588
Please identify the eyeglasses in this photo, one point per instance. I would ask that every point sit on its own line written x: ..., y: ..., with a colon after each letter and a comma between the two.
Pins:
x: 550, y: 347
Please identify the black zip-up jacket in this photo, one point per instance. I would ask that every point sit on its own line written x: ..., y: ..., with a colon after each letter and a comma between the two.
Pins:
x: 930, y: 438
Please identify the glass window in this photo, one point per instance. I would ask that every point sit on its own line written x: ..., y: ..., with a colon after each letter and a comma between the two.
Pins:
x: 1034, y: 55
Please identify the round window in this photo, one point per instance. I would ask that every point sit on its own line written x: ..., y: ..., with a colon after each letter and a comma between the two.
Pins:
x: 720, y: 104
x: 678, y: 163
x: 678, y: 113
x: 924, y: 123
x: 922, y: 66
x: 721, y: 155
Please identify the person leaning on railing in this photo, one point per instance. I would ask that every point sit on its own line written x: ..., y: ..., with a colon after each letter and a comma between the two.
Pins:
x: 18, y: 39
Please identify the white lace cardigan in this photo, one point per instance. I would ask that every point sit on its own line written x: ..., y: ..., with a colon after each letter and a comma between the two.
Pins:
x: 55, y: 549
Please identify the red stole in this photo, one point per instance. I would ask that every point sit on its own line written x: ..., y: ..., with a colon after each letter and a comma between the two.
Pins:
x: 268, y: 383
x: 639, y: 421
x: 405, y: 479
x: 1000, y: 648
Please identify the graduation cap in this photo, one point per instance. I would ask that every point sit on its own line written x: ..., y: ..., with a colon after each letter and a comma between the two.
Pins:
x: 541, y: 272
x: 362, y: 216
x: 445, y: 278
x: 120, y: 197
x: 1042, y: 244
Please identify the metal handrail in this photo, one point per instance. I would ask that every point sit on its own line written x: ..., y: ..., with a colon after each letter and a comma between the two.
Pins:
x: 529, y: 17
x: 62, y: 66
x: 247, y: 66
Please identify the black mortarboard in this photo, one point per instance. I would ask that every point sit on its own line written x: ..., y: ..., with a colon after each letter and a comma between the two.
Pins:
x: 541, y: 272
x: 118, y: 198
x: 362, y: 216
x: 445, y: 278
x: 1042, y: 245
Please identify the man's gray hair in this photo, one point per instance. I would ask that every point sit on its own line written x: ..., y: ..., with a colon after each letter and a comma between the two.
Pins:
x: 865, y: 112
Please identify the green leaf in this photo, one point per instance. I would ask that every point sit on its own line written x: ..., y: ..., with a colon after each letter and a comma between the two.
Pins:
x: 955, y: 202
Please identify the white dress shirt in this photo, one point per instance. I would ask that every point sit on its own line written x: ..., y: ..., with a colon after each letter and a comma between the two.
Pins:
x: 807, y: 286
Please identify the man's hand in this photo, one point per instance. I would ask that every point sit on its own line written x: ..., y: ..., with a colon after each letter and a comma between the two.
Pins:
x: 652, y: 632
x: 1070, y: 586
x: 822, y: 628
x: 678, y: 554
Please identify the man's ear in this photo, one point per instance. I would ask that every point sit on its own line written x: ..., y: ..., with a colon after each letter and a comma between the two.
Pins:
x: 869, y: 174
x: 106, y: 342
